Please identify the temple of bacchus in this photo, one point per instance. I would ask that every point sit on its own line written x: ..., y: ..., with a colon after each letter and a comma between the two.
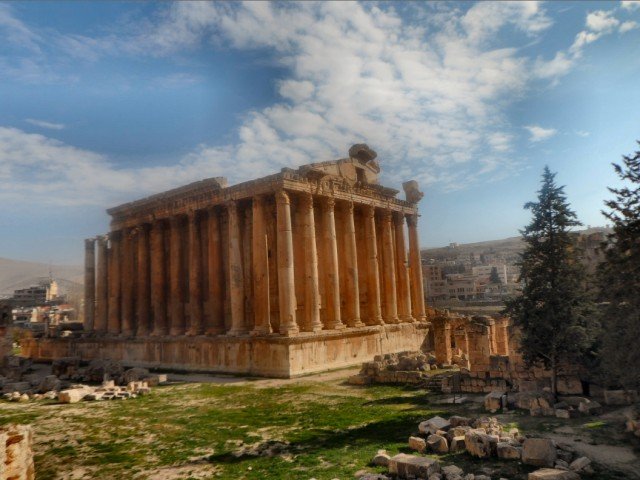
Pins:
x: 297, y: 272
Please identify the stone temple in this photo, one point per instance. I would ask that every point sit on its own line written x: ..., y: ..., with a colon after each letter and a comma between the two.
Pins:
x: 297, y: 272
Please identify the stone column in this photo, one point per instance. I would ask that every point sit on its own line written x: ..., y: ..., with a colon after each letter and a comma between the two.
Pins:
x: 176, y: 277
x: 128, y: 272
x: 389, y: 267
x: 236, y: 274
x: 113, y: 326
x: 442, y: 339
x: 415, y: 262
x: 195, y: 276
x: 261, y: 308
x: 352, y: 290
x: 286, y: 278
x: 158, y: 280
x: 216, y: 276
x: 143, y: 282
x: 332, y: 279
x: 89, y: 284
x: 373, y: 281
x: 311, y: 322
x: 102, y: 291
x: 404, y: 291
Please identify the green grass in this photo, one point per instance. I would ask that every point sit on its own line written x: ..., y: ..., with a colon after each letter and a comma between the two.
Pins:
x: 332, y: 431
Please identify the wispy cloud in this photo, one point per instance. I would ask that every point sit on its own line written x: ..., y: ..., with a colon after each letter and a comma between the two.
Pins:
x: 45, y: 124
x: 538, y: 133
x: 582, y: 133
x: 630, y: 4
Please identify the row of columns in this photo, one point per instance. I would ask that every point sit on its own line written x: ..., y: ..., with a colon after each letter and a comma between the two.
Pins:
x: 110, y: 288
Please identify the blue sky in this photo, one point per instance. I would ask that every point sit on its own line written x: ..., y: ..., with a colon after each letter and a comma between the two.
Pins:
x: 102, y: 103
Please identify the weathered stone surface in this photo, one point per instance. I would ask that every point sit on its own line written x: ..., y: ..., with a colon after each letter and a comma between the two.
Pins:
x: 50, y: 382
x: 457, y: 444
x: 134, y: 375
x: 590, y: 407
x: 405, y: 466
x: 553, y: 474
x: 457, y: 421
x: 16, y: 452
x: 539, y: 452
x: 493, y: 401
x: 452, y: 472
x: 417, y: 443
x: 620, y: 397
x: 479, y: 443
x: 433, y: 425
x: 74, y: 395
x: 579, y: 464
x: 508, y: 452
x: 438, y: 444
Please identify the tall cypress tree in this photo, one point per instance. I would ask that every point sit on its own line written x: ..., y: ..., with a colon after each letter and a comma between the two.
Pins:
x: 619, y: 278
x: 553, y: 311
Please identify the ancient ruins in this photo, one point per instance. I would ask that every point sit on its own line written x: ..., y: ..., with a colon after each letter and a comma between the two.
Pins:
x: 293, y: 273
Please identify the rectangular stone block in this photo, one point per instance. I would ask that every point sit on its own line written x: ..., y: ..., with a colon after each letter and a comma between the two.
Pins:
x: 410, y: 466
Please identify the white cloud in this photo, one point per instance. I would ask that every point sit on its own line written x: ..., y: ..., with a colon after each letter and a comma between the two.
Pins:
x: 538, y: 133
x: 627, y: 26
x: 630, y: 4
x: 582, y: 133
x: 601, y: 21
x: 45, y: 124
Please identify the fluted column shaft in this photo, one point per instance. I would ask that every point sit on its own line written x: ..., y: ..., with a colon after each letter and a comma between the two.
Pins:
x: 389, y: 269
x: 113, y: 326
x: 332, y: 272
x: 352, y: 290
x: 176, y: 278
x: 259, y: 246
x: 404, y: 292
x: 158, y: 280
x: 216, y: 276
x: 417, y: 292
x: 236, y: 274
x: 128, y: 273
x: 286, y: 279
x: 102, y: 292
x: 143, y: 279
x: 89, y: 284
x: 311, y: 321
x: 195, y: 276
x: 373, y: 284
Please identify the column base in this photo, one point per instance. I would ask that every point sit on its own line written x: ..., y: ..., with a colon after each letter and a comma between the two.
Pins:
x: 237, y: 332
x: 289, y: 331
x: 335, y: 326
x: 177, y: 332
x: 375, y: 321
x: 406, y: 319
x: 392, y: 320
x: 355, y: 323
x: 215, y: 331
x: 260, y: 331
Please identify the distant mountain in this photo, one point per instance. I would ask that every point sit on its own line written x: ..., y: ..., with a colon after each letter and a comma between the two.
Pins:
x: 15, y: 274
x: 505, y: 246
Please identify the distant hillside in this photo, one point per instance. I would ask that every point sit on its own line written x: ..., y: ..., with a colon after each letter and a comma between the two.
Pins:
x: 16, y: 274
x: 506, y: 246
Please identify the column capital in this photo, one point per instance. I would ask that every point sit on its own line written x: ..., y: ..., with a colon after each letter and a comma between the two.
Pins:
x: 306, y: 200
x: 369, y: 211
x: 282, y: 197
x: 89, y: 242
x: 259, y: 199
x: 399, y: 217
x: 412, y: 219
x: 386, y: 215
x: 329, y: 203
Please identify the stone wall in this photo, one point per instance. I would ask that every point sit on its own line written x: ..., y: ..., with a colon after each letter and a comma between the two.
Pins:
x: 274, y: 357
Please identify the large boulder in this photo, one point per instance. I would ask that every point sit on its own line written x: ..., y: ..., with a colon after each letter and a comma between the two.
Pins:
x: 405, y: 466
x: 433, y: 425
x: 452, y: 472
x: 381, y: 459
x: 579, y: 464
x: 620, y: 397
x: 99, y: 370
x: 553, y: 474
x: 49, y: 383
x: 539, y: 452
x: 480, y: 444
x: 74, y: 395
x: 134, y: 375
x: 457, y: 444
x: 457, y: 421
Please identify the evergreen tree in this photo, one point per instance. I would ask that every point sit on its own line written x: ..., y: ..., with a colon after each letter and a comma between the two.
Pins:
x: 619, y: 277
x: 494, y: 278
x: 553, y: 311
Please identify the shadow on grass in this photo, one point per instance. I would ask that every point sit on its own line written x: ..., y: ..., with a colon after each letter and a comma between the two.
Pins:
x: 374, y: 434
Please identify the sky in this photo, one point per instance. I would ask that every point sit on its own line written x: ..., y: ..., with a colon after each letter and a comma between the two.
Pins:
x: 104, y: 103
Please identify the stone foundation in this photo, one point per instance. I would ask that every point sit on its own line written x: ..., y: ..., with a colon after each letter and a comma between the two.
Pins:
x: 270, y: 355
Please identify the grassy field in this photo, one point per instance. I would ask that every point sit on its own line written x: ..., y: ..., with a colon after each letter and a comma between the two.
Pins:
x: 314, y: 429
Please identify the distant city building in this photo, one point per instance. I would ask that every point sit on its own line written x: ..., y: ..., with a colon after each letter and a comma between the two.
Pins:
x: 41, y: 294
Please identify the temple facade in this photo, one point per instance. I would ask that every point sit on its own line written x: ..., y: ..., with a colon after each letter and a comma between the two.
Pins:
x: 297, y: 272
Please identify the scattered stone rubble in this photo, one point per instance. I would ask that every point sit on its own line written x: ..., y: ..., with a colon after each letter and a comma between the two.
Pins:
x: 483, y: 437
x: 542, y: 404
x: 404, y: 367
x: 16, y: 454
x: 633, y: 422
x: 64, y: 384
